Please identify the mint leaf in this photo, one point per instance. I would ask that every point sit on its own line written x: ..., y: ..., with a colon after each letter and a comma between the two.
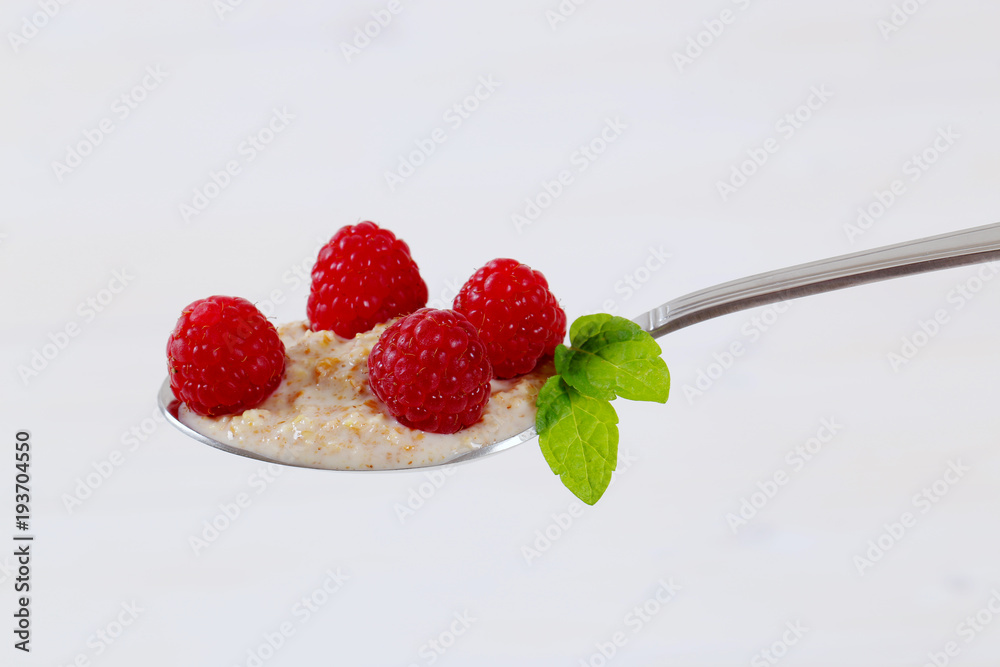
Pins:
x: 611, y: 356
x: 579, y: 438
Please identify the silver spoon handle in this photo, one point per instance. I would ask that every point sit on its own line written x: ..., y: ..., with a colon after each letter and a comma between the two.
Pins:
x: 969, y: 246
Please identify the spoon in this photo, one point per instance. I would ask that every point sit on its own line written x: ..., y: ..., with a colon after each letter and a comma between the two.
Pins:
x: 970, y: 246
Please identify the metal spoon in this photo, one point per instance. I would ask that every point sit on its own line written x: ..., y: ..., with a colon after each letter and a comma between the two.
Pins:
x: 970, y: 246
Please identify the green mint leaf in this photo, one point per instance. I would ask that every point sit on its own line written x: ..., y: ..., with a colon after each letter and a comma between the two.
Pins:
x: 611, y: 356
x: 579, y: 438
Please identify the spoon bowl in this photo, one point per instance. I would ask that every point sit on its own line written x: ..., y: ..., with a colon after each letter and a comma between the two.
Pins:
x: 170, y: 407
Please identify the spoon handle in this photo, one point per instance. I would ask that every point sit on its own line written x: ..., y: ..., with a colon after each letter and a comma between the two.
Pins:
x: 968, y: 246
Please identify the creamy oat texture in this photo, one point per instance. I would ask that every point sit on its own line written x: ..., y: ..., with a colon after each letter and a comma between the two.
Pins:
x: 324, y: 415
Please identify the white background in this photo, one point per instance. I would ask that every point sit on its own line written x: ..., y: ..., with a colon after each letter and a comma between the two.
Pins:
x: 464, y: 551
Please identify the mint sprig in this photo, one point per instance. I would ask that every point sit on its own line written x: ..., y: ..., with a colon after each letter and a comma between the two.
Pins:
x: 577, y: 427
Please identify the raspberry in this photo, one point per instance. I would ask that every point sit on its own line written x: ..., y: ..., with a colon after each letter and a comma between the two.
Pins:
x: 364, y: 276
x: 515, y: 313
x: 224, y: 356
x: 431, y: 371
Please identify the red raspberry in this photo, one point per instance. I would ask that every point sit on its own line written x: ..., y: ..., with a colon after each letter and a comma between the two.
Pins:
x: 364, y: 276
x: 515, y: 313
x: 431, y: 371
x: 223, y: 356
